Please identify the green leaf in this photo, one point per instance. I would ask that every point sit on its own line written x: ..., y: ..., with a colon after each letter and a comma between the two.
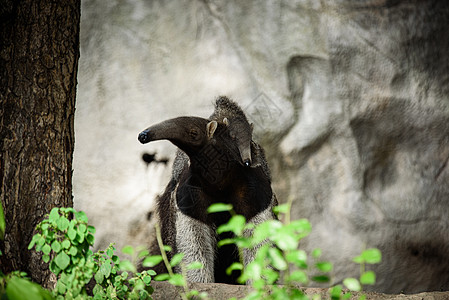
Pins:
x: 54, y: 268
x: 298, y: 276
x: 196, y: 265
x: 177, y: 258
x: 324, y: 266
x: 167, y: 248
x: 358, y: 259
x: 126, y: 265
x: 81, y: 216
x: 19, y: 288
x: 54, y: 214
x: 369, y: 277
x: 321, y: 278
x: 66, y: 244
x: 352, y: 284
x: 219, y: 207
x: 262, y: 253
x: 347, y: 296
x: 143, y: 253
x: 285, y: 239
x: 109, y: 252
x: 302, y: 227
x: 191, y: 295
x: 91, y: 229
x: 62, y: 260
x: 90, y: 239
x: 128, y: 250
x: 177, y: 280
x: 56, y: 246
x: 46, y: 249
x: 68, y: 209
x: 335, y: 292
x: 82, y: 228
x: 80, y: 238
x: 234, y: 266
x: 372, y: 256
x: 73, y: 251
x: 277, y: 259
x: 280, y: 293
x: 235, y: 224
x: 62, y: 223
x: 115, y: 259
x: 299, y: 295
x: 270, y: 275
x: 252, y: 271
x: 46, y: 258
x: 283, y: 208
x: 297, y: 257
x: 152, y: 261
x: 146, y: 279
x: 71, y: 233
x: 225, y: 242
x: 162, y: 277
x: 33, y: 240
x: 99, y: 277
x: 316, y: 253
x: 41, y: 241
x: 265, y: 230
x: 106, y: 269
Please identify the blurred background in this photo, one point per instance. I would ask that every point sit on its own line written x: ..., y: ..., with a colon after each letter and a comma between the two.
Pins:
x: 350, y: 100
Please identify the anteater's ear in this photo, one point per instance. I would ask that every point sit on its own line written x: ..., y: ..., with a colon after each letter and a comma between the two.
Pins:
x: 226, y: 121
x: 210, y: 128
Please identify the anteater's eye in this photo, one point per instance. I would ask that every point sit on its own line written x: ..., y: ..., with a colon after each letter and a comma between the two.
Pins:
x: 193, y: 133
x: 232, y: 136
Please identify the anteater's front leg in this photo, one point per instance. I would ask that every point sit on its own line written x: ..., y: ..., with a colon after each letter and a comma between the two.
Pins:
x: 198, y: 242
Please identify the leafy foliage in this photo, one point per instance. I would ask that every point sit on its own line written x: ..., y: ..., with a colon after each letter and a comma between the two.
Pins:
x: 279, y: 259
x: 17, y: 286
x: 65, y: 238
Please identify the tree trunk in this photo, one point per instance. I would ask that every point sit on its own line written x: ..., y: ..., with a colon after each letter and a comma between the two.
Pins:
x: 39, y: 51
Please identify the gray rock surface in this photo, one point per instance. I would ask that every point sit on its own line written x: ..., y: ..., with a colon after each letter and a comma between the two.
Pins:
x: 350, y: 100
x: 164, y: 290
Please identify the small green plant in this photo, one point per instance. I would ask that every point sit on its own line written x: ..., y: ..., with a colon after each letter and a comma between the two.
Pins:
x: 65, y: 243
x: 368, y: 256
x: 113, y: 280
x: 279, y: 259
x: 65, y: 239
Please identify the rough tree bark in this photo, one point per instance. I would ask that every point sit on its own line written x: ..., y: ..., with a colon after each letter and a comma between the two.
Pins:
x: 39, y: 51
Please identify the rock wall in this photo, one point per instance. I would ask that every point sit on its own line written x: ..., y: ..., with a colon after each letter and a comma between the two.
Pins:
x: 349, y: 98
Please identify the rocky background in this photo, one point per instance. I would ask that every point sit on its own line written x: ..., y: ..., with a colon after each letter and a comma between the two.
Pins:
x: 349, y: 98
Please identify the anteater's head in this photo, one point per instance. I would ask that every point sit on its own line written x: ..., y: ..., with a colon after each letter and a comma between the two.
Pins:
x: 241, y: 132
x: 193, y: 135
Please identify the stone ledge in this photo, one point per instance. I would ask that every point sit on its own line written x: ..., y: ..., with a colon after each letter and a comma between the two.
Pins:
x: 219, y: 291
